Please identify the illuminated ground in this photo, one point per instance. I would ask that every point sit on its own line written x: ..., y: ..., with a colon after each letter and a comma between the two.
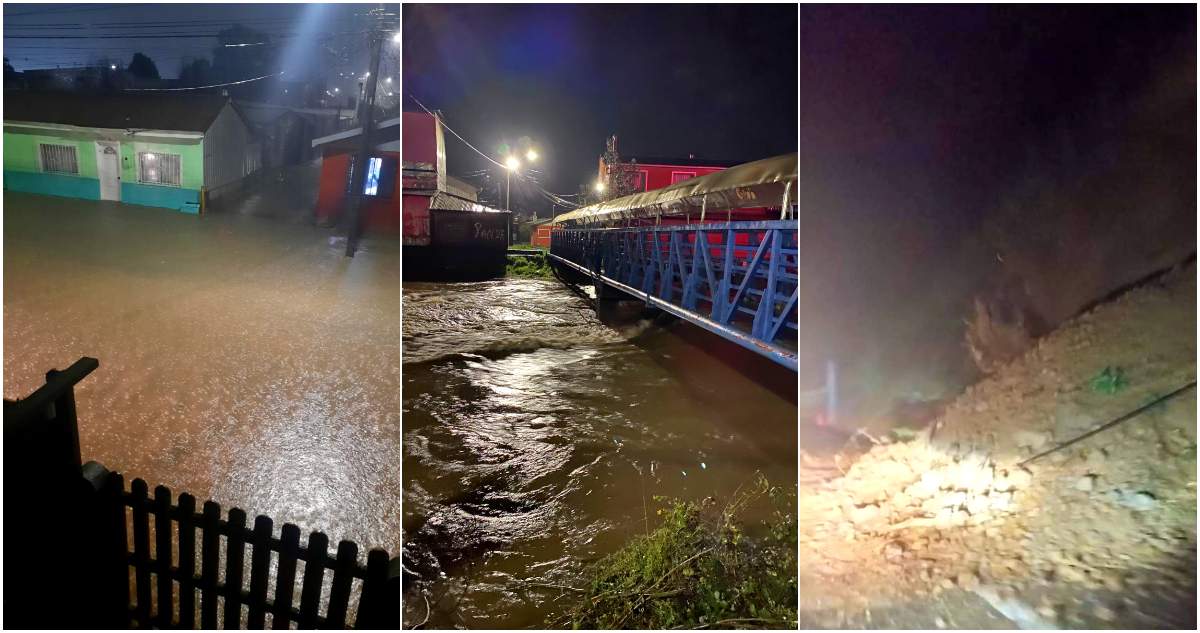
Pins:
x: 946, y: 532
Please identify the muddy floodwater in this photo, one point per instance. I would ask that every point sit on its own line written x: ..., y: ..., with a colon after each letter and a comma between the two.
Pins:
x: 243, y: 360
x: 536, y: 436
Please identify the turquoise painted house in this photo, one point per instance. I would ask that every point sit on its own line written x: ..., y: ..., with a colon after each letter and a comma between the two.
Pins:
x: 155, y: 149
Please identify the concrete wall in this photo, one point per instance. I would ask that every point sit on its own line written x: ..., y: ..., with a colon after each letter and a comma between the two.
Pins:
x: 191, y: 175
x: 23, y: 173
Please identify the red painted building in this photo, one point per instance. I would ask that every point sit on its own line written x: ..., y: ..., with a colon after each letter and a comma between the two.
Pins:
x: 381, y: 211
x: 445, y: 233
x: 654, y: 172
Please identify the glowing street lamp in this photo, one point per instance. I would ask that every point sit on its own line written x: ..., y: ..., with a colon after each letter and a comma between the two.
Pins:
x: 396, y: 38
x: 531, y: 155
x: 599, y: 186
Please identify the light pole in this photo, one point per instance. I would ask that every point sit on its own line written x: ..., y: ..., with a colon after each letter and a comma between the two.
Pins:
x: 513, y: 164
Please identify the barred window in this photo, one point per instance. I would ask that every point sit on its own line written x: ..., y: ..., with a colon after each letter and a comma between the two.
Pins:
x: 159, y: 169
x: 59, y: 159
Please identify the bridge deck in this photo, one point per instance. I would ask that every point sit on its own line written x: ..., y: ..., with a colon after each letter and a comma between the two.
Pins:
x: 741, y: 283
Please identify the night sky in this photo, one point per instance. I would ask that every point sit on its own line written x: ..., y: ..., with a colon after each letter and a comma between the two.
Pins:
x: 921, y: 123
x: 716, y: 81
x: 50, y: 35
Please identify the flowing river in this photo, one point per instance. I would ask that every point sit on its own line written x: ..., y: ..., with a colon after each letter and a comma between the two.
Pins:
x: 535, y: 437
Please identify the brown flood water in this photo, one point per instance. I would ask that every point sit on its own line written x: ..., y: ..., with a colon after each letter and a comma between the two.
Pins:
x: 242, y: 359
x: 535, y: 437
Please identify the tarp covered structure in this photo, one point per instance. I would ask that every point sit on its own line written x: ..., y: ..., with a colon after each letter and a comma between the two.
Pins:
x: 751, y: 185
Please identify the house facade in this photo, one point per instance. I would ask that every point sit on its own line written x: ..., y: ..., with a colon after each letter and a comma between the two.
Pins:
x: 656, y: 172
x: 381, y: 188
x: 150, y: 150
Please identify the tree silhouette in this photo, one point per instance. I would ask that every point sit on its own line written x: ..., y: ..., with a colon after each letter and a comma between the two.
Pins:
x: 143, y: 66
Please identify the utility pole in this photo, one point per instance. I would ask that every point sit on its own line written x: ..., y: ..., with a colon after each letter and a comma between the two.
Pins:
x: 362, y: 162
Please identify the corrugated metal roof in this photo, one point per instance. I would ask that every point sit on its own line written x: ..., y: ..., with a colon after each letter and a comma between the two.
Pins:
x: 448, y: 202
x: 182, y: 113
x: 752, y: 185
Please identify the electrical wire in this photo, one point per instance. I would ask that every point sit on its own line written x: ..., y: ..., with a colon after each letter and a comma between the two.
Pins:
x: 70, y: 10
x: 546, y: 194
x: 232, y: 83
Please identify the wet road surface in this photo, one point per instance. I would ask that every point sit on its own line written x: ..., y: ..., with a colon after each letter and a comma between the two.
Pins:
x: 243, y: 360
x: 536, y: 436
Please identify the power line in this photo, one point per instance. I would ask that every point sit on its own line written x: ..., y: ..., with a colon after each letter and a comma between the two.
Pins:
x: 165, y: 36
x: 169, y: 24
x: 549, y: 196
x: 232, y: 83
x: 69, y: 10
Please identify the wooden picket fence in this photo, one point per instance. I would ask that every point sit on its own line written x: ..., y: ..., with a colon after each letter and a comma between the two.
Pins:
x: 86, y: 515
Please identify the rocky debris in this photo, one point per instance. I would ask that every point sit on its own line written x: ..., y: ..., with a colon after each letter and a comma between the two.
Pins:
x: 951, y: 509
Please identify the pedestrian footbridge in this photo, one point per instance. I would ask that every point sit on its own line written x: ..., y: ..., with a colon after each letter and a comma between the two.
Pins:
x: 682, y: 250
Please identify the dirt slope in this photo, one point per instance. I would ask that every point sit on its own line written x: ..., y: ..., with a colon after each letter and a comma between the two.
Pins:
x: 947, y: 531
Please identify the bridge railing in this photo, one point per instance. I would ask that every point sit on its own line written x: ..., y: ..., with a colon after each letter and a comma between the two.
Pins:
x: 737, y: 279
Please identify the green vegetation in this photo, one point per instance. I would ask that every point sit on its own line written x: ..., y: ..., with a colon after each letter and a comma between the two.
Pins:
x: 529, y: 247
x: 530, y: 267
x: 700, y: 569
x: 1110, y: 380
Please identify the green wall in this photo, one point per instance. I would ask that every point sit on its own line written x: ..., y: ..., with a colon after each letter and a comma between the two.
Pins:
x: 20, y: 153
x: 192, y: 176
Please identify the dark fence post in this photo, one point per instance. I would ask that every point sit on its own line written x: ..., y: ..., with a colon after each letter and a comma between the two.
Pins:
x: 162, y: 556
x: 314, y: 574
x: 112, y: 545
x: 260, y: 572
x: 187, y: 561
x: 285, y: 583
x: 141, y: 549
x: 209, y: 542
x: 339, y: 591
x: 235, y: 558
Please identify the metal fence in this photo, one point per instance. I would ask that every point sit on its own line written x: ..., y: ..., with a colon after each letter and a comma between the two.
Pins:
x: 737, y: 279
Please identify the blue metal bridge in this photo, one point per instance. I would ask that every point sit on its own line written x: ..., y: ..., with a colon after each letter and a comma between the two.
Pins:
x: 737, y: 279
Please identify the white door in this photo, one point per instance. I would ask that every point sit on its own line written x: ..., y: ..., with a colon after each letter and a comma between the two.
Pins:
x: 108, y: 166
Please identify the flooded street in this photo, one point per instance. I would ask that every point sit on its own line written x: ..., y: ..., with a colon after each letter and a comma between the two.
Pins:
x: 242, y: 359
x: 536, y: 437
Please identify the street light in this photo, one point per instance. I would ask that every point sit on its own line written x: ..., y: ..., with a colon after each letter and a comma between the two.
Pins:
x: 599, y: 186
x: 531, y: 155
x: 396, y: 38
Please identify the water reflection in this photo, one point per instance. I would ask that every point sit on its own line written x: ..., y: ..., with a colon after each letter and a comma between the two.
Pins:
x: 536, y: 446
x: 243, y: 360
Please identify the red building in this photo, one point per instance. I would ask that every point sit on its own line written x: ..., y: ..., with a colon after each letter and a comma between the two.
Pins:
x: 381, y: 212
x: 654, y: 172
x: 446, y: 234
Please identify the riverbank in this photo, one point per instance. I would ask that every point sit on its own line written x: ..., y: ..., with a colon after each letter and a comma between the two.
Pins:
x: 537, y: 266
x: 703, y: 567
x: 1100, y: 534
x: 536, y: 436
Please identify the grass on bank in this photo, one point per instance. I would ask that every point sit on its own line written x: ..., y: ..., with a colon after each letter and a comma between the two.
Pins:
x: 536, y: 267
x: 700, y: 569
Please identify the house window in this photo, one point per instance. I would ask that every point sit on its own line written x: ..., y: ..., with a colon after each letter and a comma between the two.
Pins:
x: 680, y: 176
x: 380, y: 178
x: 159, y: 169
x: 58, y: 159
x: 638, y: 179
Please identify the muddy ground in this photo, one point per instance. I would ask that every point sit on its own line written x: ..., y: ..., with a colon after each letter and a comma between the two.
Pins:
x: 946, y: 529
